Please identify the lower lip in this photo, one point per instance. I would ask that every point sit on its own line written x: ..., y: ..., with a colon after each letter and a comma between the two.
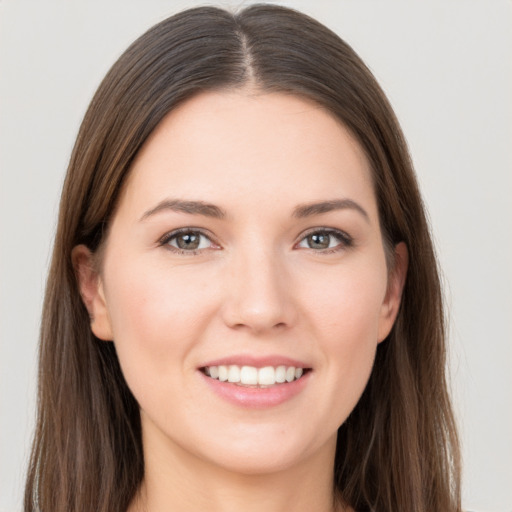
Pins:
x: 254, y: 397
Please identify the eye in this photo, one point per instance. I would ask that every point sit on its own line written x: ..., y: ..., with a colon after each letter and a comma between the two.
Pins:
x: 187, y: 241
x: 327, y: 240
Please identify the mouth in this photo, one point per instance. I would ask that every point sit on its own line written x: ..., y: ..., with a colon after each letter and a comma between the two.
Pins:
x: 254, y: 377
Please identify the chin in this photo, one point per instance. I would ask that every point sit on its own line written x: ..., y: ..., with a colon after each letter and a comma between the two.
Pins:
x: 263, y: 463
x: 264, y: 451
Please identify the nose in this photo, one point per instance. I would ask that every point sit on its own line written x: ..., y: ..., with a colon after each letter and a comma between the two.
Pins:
x: 258, y: 293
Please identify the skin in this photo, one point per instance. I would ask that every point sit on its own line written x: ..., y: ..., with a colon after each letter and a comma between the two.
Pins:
x: 255, y: 286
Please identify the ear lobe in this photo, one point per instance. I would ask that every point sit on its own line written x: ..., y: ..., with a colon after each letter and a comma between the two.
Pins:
x: 396, y: 282
x: 91, y: 291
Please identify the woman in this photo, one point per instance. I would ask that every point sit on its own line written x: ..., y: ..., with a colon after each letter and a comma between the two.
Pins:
x: 243, y: 306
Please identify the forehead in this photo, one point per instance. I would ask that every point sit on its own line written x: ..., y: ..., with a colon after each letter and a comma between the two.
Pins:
x: 237, y: 146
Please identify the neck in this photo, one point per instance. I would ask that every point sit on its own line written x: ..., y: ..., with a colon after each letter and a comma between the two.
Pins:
x: 176, y: 480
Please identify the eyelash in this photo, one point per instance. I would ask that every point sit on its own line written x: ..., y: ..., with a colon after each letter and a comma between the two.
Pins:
x: 345, y: 240
x: 164, y: 241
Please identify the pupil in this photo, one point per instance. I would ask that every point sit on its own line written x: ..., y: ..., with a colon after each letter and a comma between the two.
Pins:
x: 318, y: 241
x: 188, y: 241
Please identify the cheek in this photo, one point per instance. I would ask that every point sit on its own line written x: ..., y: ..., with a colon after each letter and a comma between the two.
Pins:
x: 344, y: 314
x: 346, y: 305
x: 157, y: 317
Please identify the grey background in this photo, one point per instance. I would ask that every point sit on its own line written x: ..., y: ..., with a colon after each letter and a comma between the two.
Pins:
x: 446, y: 66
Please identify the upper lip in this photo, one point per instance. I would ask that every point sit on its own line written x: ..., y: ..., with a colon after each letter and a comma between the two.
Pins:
x: 256, y: 361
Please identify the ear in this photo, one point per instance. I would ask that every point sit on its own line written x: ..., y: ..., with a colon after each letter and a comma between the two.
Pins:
x: 396, y: 282
x: 91, y: 290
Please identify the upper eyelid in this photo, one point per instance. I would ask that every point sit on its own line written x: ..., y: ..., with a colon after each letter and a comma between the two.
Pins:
x: 175, y: 232
x: 333, y: 231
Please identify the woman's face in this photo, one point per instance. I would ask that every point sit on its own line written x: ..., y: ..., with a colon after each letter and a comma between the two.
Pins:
x: 246, y: 242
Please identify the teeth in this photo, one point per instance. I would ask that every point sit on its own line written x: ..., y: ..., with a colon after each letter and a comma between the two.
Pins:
x: 234, y: 373
x: 251, y: 376
x: 267, y: 376
x: 223, y: 373
x: 280, y: 374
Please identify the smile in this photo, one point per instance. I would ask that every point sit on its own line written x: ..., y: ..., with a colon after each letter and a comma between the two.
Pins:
x: 253, y: 382
x: 252, y: 376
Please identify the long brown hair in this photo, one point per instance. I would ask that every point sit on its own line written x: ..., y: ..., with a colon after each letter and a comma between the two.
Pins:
x: 398, y: 450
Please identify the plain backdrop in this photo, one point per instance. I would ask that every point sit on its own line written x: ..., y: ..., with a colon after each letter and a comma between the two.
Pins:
x: 446, y: 66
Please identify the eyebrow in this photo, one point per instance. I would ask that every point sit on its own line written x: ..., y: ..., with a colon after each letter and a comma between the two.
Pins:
x: 191, y: 207
x: 310, y: 209
x: 211, y: 210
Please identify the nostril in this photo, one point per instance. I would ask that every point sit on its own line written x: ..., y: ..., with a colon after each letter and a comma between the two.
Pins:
x: 258, y: 300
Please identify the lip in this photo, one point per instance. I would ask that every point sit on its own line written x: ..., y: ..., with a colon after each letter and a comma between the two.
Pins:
x: 256, y: 397
x: 257, y: 361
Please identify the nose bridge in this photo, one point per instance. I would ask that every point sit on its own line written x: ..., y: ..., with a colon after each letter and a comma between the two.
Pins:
x: 257, y: 295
